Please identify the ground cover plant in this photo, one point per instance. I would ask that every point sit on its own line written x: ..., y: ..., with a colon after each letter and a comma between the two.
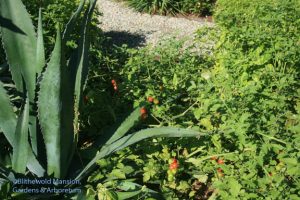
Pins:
x: 246, y: 92
x: 166, y: 7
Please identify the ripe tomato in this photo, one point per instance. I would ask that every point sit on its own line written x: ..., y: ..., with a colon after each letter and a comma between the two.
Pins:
x: 143, y: 111
x: 174, y: 165
x: 220, y: 161
x: 150, y: 99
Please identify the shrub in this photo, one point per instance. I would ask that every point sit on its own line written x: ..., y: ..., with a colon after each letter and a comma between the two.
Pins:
x: 202, y: 7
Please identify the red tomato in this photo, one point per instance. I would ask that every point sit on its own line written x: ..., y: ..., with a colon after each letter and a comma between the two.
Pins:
x: 220, y: 161
x: 150, y: 99
x: 143, y: 111
x: 174, y: 165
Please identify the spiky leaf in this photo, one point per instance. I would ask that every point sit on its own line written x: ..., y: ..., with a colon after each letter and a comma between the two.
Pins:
x: 19, y: 44
x: 40, y: 50
x: 79, y: 60
x: 126, y: 125
x: 49, y: 111
x: 136, y: 137
x: 78, y: 63
x: 8, y: 123
x: 21, y: 145
x: 8, y: 120
x: 73, y: 20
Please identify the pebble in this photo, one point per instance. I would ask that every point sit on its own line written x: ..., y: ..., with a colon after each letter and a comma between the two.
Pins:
x: 125, y: 25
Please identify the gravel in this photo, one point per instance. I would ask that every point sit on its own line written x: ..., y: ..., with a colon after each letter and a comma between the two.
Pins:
x: 124, y: 25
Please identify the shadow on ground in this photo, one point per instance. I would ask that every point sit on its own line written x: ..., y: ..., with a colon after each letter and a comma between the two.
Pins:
x: 119, y: 38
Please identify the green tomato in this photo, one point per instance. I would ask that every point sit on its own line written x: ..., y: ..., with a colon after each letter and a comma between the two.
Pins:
x: 170, y: 177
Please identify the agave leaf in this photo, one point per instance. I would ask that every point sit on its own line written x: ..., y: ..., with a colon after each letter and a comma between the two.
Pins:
x: 136, y: 137
x: 8, y: 123
x: 8, y: 119
x: 6, y: 23
x: 70, y: 25
x: 77, y: 62
x: 148, y: 133
x: 20, y: 46
x: 49, y: 109
x: 56, y: 112
x: 127, y: 124
x: 5, y: 172
x: 33, y: 165
x: 20, y: 148
x: 40, y: 50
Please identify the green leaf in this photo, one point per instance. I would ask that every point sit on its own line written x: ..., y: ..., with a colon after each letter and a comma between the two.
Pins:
x: 8, y: 123
x: 118, y: 173
x: 234, y: 186
x: 175, y: 80
x: 78, y: 63
x: 20, y: 148
x: 20, y: 44
x: 40, y: 50
x: 50, y: 109
x: 127, y: 185
x: 33, y: 165
x: 8, y: 119
x: 136, y: 137
x: 128, y: 123
x: 78, y: 66
x: 127, y: 195
x: 290, y: 161
x: 70, y: 25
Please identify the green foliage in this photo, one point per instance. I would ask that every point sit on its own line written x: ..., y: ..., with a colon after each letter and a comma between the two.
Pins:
x: 258, y: 66
x: 145, y: 75
x: 165, y: 7
x: 247, y: 92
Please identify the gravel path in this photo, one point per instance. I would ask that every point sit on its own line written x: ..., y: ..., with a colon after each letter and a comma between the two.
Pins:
x: 124, y: 25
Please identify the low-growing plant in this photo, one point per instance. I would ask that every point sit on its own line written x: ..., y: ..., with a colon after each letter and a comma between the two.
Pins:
x: 165, y: 7
x: 247, y: 95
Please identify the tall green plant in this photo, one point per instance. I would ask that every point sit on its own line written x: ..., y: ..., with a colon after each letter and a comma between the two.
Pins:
x: 51, y: 95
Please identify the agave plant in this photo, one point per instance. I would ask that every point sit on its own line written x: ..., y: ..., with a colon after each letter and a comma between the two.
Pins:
x: 43, y: 130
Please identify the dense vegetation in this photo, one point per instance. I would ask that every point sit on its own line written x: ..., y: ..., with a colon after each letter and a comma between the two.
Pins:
x: 244, y: 94
x: 166, y: 7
